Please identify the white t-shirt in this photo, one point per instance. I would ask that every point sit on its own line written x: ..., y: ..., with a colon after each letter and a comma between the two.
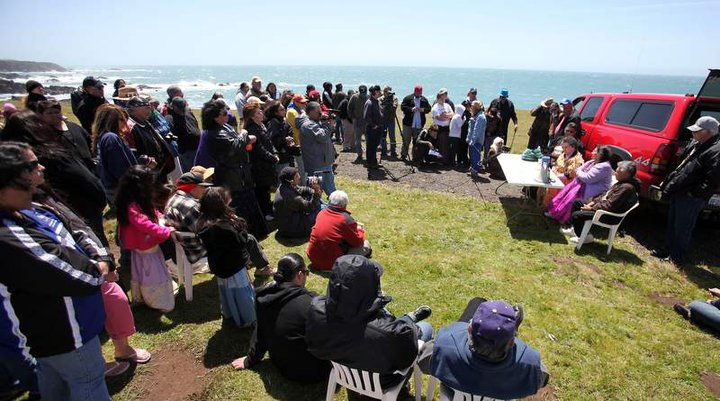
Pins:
x: 437, y: 110
x: 456, y: 126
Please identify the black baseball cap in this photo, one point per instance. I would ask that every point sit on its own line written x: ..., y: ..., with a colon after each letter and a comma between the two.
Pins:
x: 92, y: 81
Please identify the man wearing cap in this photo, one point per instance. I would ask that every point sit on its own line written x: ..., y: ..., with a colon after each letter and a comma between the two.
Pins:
x: 356, y: 106
x: 144, y: 140
x: 86, y: 101
x: 373, y: 116
x: 539, y: 132
x: 295, y: 109
x: 506, y: 110
x: 318, y: 151
x: 690, y: 186
x: 481, y: 355
x: 184, y: 126
x: 568, y: 115
x: 389, y: 104
x: 256, y: 87
x: 183, y: 212
x: 36, y: 93
x: 414, y: 108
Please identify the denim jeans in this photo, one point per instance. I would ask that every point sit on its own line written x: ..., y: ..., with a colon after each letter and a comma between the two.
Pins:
x: 409, y: 134
x: 301, y: 168
x: 77, y: 375
x: 706, y: 314
x: 338, y: 129
x: 682, y: 216
x: 328, y: 184
x: 475, y: 157
x: 390, y: 133
x: 18, y: 369
x: 359, y: 127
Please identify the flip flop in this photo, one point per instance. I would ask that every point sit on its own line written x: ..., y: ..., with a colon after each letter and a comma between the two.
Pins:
x: 113, y: 369
x: 140, y: 356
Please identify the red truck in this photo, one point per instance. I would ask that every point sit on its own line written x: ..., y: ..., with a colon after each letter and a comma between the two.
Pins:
x: 650, y: 129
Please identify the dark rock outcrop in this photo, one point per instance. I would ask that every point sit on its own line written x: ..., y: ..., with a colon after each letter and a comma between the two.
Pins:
x: 29, y: 66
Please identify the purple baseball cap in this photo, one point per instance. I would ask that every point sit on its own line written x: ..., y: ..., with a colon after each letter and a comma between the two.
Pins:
x: 494, y: 321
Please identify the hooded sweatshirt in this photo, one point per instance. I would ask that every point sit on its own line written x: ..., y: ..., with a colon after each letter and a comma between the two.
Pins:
x: 456, y: 122
x: 350, y: 326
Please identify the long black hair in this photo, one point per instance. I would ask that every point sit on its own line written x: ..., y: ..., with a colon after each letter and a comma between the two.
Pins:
x: 27, y: 126
x: 210, y: 111
x: 13, y: 164
x: 215, y: 207
x: 288, y: 266
x: 137, y: 185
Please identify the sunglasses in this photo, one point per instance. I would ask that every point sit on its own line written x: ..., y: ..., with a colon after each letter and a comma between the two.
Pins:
x: 32, y: 165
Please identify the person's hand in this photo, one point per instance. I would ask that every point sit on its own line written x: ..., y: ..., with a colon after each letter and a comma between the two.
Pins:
x: 515, y: 127
x: 315, y: 185
x: 715, y: 292
x: 103, y: 268
x: 172, y: 229
x: 112, y: 277
x: 239, y: 364
x: 586, y: 207
x: 252, y: 139
x: 361, y: 225
x: 277, y: 159
x: 152, y: 163
x: 290, y: 141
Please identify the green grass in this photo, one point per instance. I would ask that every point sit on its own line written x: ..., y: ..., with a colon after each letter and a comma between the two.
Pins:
x: 588, y: 314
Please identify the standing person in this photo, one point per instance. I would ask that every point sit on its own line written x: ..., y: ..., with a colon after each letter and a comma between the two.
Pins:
x: 318, y: 150
x: 35, y: 94
x: 506, y: 112
x: 145, y: 141
x: 356, y: 106
x: 241, y: 96
x: 256, y: 87
x: 272, y: 91
x: 86, y: 100
x: 442, y: 113
x: 229, y: 249
x: 297, y: 109
x: 539, y: 132
x: 282, y: 309
x: 281, y: 136
x: 185, y: 127
x: 689, y: 188
x: 414, y: 108
x: 373, y: 116
x: 476, y: 136
x: 568, y: 115
x: 555, y: 116
x: 327, y: 95
x: 263, y: 157
x: 51, y: 300
x: 141, y: 233
x: 8, y: 110
x: 119, y: 83
x: 233, y: 171
x: 455, y: 134
x: 462, y: 156
x: 348, y: 131
x: 389, y: 105
x: 172, y: 91
x: 338, y: 97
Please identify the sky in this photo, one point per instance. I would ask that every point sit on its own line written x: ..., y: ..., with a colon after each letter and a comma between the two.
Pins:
x: 638, y: 36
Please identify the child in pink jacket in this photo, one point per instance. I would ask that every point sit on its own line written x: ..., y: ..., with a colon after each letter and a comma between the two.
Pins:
x: 141, y: 233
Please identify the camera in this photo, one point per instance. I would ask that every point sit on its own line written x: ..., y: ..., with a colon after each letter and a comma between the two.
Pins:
x: 314, y: 179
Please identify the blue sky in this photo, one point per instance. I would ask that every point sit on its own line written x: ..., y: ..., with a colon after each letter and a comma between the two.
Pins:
x: 639, y: 36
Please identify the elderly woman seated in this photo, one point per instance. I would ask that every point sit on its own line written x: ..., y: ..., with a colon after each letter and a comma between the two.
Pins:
x: 569, y: 159
x: 295, y: 206
x: 618, y: 199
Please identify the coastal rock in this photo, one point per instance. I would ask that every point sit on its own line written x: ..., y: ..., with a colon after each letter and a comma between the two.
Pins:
x: 12, y: 75
x: 29, y: 66
x: 7, y: 87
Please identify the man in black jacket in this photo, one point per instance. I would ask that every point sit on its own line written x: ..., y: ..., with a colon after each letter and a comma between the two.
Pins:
x: 690, y: 186
x: 506, y: 110
x: 144, y: 140
x: 373, y: 116
x: 184, y: 126
x: 414, y: 108
x: 350, y: 325
x: 86, y: 102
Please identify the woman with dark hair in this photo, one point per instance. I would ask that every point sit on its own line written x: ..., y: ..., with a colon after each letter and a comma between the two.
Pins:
x: 113, y: 153
x: 286, y: 97
x: 272, y: 91
x: 230, y: 152
x: 296, y: 207
x: 231, y: 117
x: 141, y: 233
x: 229, y: 249
x: 35, y: 94
x: 263, y: 157
x: 119, y: 83
x: 591, y: 179
x: 282, y: 310
x: 281, y: 136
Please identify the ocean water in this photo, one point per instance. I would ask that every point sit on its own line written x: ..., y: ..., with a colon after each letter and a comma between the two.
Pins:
x: 527, y: 88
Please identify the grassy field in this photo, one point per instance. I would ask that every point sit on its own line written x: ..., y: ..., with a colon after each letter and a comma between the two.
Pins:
x: 591, y: 316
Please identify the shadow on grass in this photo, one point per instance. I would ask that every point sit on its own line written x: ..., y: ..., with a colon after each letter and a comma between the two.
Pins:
x: 526, y: 222
x: 599, y: 251
x: 290, y: 242
x: 227, y: 344
x: 280, y: 388
x: 117, y: 384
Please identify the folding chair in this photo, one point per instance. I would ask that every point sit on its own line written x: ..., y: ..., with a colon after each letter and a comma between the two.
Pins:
x: 458, y: 395
x: 596, y: 221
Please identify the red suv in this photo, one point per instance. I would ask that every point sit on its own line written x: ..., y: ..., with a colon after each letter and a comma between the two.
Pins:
x: 650, y: 129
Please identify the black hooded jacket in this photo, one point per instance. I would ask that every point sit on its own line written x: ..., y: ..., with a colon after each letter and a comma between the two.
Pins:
x: 282, y: 310
x: 699, y: 173
x: 350, y: 326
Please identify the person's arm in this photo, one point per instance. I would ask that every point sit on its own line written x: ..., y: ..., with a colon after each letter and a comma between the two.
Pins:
x: 316, y: 131
x: 84, y: 235
x: 224, y: 146
x: 615, y: 196
x: 352, y: 234
x: 710, y: 181
x: 153, y: 230
x: 305, y: 201
x: 513, y: 115
x: 407, y: 105
x: 534, y: 112
x: 596, y: 173
x: 117, y: 157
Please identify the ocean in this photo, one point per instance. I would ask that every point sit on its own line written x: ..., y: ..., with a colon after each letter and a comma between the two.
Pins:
x: 527, y: 88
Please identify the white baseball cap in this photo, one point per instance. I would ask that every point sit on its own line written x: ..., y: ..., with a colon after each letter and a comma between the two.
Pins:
x: 707, y: 123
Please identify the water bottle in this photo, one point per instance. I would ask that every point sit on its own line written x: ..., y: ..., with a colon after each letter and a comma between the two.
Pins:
x: 545, y: 169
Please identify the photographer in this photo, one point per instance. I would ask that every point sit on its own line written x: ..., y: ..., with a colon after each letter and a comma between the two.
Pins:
x: 318, y: 151
x: 389, y: 105
x: 373, y: 115
x: 296, y: 207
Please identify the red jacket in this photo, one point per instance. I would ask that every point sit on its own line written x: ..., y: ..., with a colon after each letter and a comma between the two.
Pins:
x: 335, y: 231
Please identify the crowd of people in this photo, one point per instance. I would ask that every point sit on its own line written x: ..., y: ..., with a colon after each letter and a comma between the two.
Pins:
x: 209, y: 186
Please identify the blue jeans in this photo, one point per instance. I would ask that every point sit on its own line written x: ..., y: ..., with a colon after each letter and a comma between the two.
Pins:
x: 359, y: 127
x: 390, y: 133
x: 475, y: 157
x: 187, y: 160
x: 338, y: 129
x: 328, y: 177
x: 18, y: 370
x: 682, y: 216
x: 77, y: 375
x: 706, y: 314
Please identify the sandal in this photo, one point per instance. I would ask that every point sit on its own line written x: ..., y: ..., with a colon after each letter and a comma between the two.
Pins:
x: 140, y: 356
x: 113, y: 369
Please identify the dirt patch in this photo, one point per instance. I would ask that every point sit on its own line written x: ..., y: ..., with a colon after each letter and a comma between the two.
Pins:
x: 176, y: 366
x: 565, y: 266
x: 667, y: 300
x: 545, y: 394
x: 711, y: 382
x: 617, y: 283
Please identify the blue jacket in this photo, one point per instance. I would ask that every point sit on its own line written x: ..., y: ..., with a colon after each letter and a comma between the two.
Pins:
x: 476, y: 132
x: 114, y: 158
x: 454, y: 364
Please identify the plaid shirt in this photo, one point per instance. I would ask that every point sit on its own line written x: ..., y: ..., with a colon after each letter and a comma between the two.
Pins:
x: 183, y: 212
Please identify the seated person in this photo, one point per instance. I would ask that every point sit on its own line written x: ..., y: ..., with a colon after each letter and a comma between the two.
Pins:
x: 572, y: 130
x: 350, y: 325
x: 564, y: 167
x: 618, y: 199
x: 705, y: 313
x: 183, y: 211
x: 481, y: 355
x: 296, y: 207
x: 425, y: 149
x: 335, y: 234
x: 282, y: 309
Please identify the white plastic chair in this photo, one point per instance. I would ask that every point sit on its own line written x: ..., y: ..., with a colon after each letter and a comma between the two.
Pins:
x: 596, y: 221
x: 368, y: 383
x: 458, y: 395
x: 185, y: 268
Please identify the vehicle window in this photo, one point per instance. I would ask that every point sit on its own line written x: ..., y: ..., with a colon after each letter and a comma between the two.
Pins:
x: 591, y: 108
x: 652, y: 116
x: 712, y: 113
x: 623, y: 111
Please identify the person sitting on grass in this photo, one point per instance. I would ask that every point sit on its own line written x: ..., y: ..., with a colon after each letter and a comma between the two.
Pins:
x: 282, y: 309
x: 704, y: 313
x: 480, y: 354
x: 425, y: 148
x: 335, y: 234
x: 618, y: 199
x: 350, y: 325
x: 296, y: 207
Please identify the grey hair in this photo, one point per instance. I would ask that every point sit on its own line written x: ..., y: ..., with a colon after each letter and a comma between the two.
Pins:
x: 338, y: 199
x: 628, y: 167
x: 172, y: 90
x: 312, y: 106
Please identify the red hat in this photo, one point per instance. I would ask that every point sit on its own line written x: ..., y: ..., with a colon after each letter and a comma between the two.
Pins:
x: 314, y: 94
x: 418, y: 88
x: 299, y: 99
